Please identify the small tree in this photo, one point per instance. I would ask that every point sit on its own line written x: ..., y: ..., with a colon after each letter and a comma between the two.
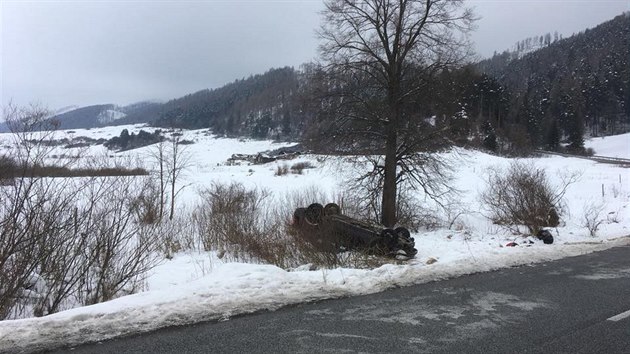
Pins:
x: 490, y: 138
x: 178, y: 161
x: 171, y: 159
x: 124, y: 138
x: 159, y: 155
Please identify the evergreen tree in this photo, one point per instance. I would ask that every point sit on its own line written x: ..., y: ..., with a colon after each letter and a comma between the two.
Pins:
x: 490, y: 139
x: 553, y: 136
x: 124, y: 138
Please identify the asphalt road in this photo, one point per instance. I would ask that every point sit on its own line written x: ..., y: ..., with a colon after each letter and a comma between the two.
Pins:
x: 575, y: 305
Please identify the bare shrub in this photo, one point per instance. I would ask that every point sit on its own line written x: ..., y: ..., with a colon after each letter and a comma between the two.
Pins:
x: 282, y: 170
x: 176, y: 235
x: 286, y: 204
x: 23, y: 235
x: 234, y: 219
x: 61, y: 171
x: 61, y: 262
x: 8, y: 168
x: 24, y: 207
x: 523, y: 195
x: 591, y: 220
x: 67, y: 241
x: 299, y: 167
x: 412, y: 215
x: 120, y: 250
x: 146, y: 205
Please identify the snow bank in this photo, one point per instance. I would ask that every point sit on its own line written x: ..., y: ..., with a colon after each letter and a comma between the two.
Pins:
x: 232, y: 289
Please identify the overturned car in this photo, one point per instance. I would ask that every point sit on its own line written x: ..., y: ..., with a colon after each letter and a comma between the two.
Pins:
x: 327, y: 228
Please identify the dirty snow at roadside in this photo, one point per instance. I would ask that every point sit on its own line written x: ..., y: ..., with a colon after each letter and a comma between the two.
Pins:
x: 197, y: 286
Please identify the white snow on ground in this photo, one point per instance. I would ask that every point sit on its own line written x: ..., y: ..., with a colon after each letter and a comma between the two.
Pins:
x: 611, y: 146
x: 198, y: 286
x: 109, y: 116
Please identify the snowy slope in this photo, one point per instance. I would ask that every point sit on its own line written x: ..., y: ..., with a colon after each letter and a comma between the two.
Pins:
x: 63, y: 110
x: 195, y: 286
x: 611, y: 146
x: 109, y: 116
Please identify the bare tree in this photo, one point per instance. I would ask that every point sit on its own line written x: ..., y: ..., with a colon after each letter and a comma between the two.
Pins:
x: 171, y: 159
x: 379, y: 55
x: 178, y: 161
x: 159, y: 154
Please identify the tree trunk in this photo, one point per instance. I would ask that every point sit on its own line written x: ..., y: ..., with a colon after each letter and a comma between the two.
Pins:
x: 388, y: 205
x: 162, y: 182
x: 174, y: 172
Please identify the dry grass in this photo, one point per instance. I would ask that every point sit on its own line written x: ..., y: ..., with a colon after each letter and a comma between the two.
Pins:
x: 12, y: 170
x: 248, y: 225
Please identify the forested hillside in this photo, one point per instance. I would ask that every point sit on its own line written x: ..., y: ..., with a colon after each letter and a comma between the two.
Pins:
x: 513, y: 102
x: 569, y: 88
x: 260, y: 106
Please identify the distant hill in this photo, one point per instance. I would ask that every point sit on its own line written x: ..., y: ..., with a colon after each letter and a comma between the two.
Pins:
x: 107, y: 114
x: 570, y: 87
x: 88, y: 117
x: 141, y: 112
x: 260, y: 106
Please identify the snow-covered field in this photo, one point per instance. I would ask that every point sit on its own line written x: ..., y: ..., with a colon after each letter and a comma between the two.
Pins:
x: 611, y: 146
x: 199, y: 286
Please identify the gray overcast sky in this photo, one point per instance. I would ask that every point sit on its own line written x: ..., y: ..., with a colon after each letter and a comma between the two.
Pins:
x: 82, y: 52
